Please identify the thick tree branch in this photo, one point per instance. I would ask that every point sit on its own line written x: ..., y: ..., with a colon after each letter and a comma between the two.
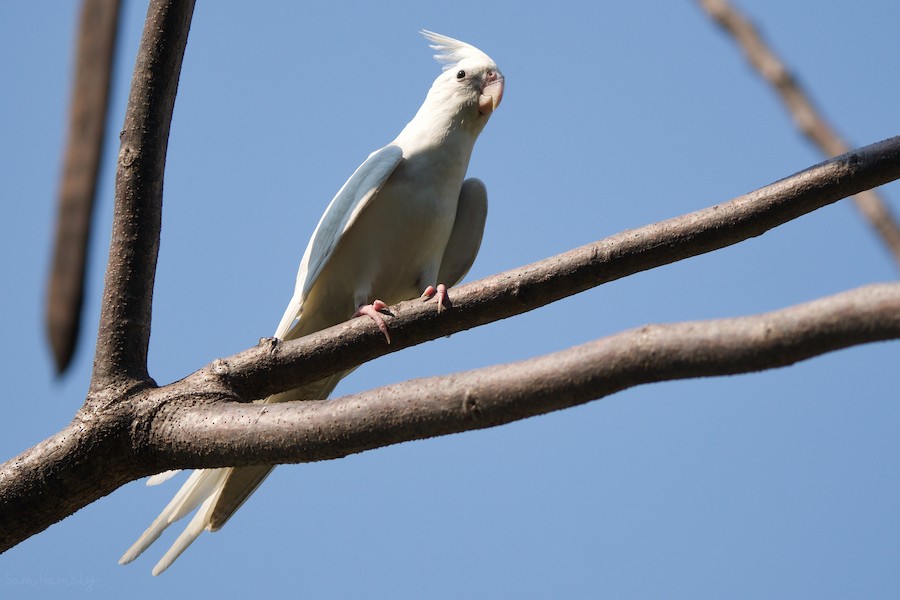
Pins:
x: 124, y: 433
x: 92, y: 456
x: 87, y: 124
x: 238, y: 434
x: 124, y: 333
x: 45, y: 484
x: 272, y: 367
x: 807, y: 118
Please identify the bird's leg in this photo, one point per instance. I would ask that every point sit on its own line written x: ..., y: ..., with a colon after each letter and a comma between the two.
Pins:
x: 372, y: 311
x: 440, y: 292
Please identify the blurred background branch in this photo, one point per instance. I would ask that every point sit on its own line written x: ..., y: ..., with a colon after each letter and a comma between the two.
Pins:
x: 804, y: 113
x: 95, y: 50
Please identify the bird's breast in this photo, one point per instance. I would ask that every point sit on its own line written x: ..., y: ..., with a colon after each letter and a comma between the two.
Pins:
x: 415, y: 209
x: 395, y: 247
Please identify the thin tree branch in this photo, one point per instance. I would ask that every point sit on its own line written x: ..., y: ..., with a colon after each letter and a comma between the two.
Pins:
x: 271, y: 367
x: 239, y: 434
x: 124, y: 333
x: 807, y: 118
x: 87, y: 124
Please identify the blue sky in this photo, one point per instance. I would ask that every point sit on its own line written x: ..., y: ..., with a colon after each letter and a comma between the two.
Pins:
x: 780, y: 484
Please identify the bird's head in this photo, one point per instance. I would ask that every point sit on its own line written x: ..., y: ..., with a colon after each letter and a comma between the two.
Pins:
x: 471, y: 83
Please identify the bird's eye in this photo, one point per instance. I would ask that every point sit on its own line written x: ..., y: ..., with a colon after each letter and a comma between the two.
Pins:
x: 461, y: 74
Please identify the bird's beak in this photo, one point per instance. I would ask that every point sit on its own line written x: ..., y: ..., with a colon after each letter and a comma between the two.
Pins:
x: 491, y: 94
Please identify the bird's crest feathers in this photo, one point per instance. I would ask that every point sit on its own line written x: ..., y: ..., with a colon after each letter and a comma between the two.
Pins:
x: 451, y: 52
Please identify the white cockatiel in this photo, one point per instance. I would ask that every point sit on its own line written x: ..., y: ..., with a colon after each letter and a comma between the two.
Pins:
x: 404, y: 222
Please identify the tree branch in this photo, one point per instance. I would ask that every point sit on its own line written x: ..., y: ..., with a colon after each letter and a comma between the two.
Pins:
x: 218, y: 434
x: 124, y: 333
x: 273, y: 367
x: 123, y: 433
x: 87, y: 124
x: 806, y: 117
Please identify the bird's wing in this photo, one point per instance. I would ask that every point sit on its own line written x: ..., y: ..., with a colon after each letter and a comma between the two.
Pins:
x: 465, y: 238
x: 340, y: 215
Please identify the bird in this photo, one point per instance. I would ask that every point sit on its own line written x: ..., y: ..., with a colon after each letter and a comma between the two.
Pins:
x: 406, y: 224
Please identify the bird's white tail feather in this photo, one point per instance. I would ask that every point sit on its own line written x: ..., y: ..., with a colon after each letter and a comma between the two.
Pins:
x: 194, y: 528
x: 207, y: 484
x: 202, y: 486
x: 162, y: 477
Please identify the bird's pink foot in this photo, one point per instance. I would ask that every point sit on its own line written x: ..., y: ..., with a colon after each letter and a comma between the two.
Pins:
x: 440, y: 292
x: 372, y: 311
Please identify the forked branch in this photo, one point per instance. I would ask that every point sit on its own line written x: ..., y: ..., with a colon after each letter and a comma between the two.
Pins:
x: 129, y: 428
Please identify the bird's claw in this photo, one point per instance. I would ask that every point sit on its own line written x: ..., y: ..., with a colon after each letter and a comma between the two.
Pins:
x: 373, y: 312
x: 440, y: 292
